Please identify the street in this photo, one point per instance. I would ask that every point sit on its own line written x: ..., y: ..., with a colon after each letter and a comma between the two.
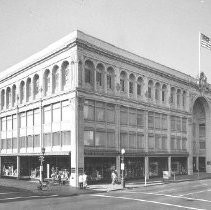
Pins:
x: 183, y: 195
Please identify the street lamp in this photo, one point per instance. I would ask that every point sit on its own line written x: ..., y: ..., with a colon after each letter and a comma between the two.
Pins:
x: 122, y: 168
x: 41, y: 163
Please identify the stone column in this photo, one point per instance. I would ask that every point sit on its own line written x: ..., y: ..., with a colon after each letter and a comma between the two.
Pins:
x: 118, y: 168
x: 169, y: 133
x: 146, y: 166
x: 18, y: 167
x: 190, y: 146
x: 168, y: 95
x: 169, y: 165
x: 77, y: 140
x: 145, y: 89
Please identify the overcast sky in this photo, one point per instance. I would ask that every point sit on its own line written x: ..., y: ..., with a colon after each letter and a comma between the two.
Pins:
x: 166, y: 31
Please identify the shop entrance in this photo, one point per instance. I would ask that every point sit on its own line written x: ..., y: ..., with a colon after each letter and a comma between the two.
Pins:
x: 179, y: 165
x: 157, y: 165
x: 202, y: 164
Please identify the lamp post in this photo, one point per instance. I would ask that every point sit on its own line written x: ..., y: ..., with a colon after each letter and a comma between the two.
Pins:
x: 122, y: 168
x: 41, y: 163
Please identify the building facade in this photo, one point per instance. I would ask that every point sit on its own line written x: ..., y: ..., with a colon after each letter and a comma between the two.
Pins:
x: 83, y: 100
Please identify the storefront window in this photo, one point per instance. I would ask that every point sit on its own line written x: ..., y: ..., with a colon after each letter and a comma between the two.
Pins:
x: 88, y: 138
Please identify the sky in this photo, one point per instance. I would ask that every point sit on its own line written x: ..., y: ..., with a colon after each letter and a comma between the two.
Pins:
x: 165, y: 31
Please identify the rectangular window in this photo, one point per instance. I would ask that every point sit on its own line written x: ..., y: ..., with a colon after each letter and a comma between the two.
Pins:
x: 132, y: 117
x: 14, y: 143
x: 87, y: 76
x: 3, y: 124
x: 47, y: 140
x: 164, y: 122
x: 131, y: 87
x: 202, y: 130
x: 151, y: 120
x: 37, y: 118
x: 99, y: 78
x: 14, y: 122
x: 178, y: 143
x: 184, y: 140
x: 111, y: 139
x: 173, y: 123
x: 109, y: 84
x: 100, y: 139
x: 22, y: 141
x: 172, y: 142
x: 157, y: 142
x: 56, y: 139
x: 184, y: 125
x: 110, y: 113
x: 65, y: 111
x: 22, y: 120
x: 164, y: 142
x: 3, y: 144
x: 122, y: 85
x: 132, y: 140
x: 36, y: 140
x: 29, y: 118
x: 9, y: 143
x: 89, y: 110
x: 151, y: 142
x: 89, y: 138
x: 202, y: 145
x: 140, y: 141
x: 29, y: 141
x: 138, y: 89
x: 123, y: 115
x: 123, y: 140
x: 56, y: 112
x: 100, y: 111
x: 47, y: 114
x: 178, y: 124
x: 140, y: 118
x: 9, y: 123
x: 157, y: 121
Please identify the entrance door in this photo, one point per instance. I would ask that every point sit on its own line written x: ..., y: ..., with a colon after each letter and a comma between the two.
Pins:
x: 194, y: 164
x: 202, y: 166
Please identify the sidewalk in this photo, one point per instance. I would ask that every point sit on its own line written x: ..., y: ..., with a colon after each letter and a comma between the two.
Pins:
x: 66, y: 190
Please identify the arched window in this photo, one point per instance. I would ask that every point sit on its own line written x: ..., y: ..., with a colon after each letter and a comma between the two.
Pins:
x: 2, y: 99
x: 99, y: 75
x: 89, y: 72
x: 173, y: 96
x: 139, y: 86
x: 65, y: 69
x: 123, y: 80
x: 13, y: 95
x: 28, y: 89
x: 157, y: 91
x: 184, y: 95
x: 150, y: 87
x: 164, y: 88
x: 55, y: 79
x: 47, y: 82
x: 178, y: 97
x: 110, y: 78
x: 36, y: 86
x: 22, y: 92
x: 131, y: 83
x: 8, y: 97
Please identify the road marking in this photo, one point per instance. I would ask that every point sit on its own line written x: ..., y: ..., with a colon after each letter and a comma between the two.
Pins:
x: 7, y: 193
x: 165, y: 190
x: 200, y: 185
x: 33, y: 196
x: 196, y: 192
x: 148, y: 201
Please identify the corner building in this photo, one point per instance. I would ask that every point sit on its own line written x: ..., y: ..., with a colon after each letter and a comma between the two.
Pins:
x: 83, y: 100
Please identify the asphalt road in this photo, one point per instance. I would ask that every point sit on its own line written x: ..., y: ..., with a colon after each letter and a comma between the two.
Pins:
x: 184, y: 195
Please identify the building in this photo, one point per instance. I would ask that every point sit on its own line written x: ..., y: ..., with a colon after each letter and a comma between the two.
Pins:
x: 83, y: 100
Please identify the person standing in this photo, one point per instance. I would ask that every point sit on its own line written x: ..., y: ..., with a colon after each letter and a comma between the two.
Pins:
x: 80, y: 180
x: 113, y: 180
x: 84, y: 180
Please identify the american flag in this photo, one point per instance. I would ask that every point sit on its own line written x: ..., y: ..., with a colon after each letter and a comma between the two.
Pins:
x: 205, y: 42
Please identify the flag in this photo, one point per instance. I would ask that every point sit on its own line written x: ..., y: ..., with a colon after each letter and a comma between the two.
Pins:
x: 205, y: 42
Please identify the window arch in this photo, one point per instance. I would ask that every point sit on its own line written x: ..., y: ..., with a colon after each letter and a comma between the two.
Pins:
x: 8, y: 97
x: 99, y: 75
x: 89, y: 72
x: 178, y: 97
x: 173, y: 95
x: 65, y: 70
x: 110, y: 78
x: 13, y: 95
x: 139, y: 86
x: 55, y: 79
x: 150, y: 88
x: 2, y: 99
x: 36, y: 86
x: 22, y: 91
x: 131, y: 83
x: 123, y: 80
x: 47, y: 82
x: 28, y: 89
x: 164, y: 88
x: 184, y: 95
x: 157, y: 91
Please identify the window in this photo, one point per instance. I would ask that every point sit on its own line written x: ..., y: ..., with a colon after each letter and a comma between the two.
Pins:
x: 164, y: 122
x: 140, y: 118
x: 2, y: 99
x: 56, y: 139
x: 99, y: 75
x: 202, y: 145
x: 14, y: 122
x: 178, y: 143
x: 123, y: 77
x: 184, y: 95
x: 157, y: 91
x: 164, y: 142
x: 3, y: 144
x: 110, y: 76
x: 47, y: 81
x: 173, y: 123
x: 14, y: 143
x: 184, y: 140
x: 89, y: 138
x: 151, y: 120
x: 140, y: 141
x: 172, y: 142
x: 29, y: 118
x: 123, y: 115
x: 65, y: 111
x: 66, y: 137
x: 55, y: 78
x: 22, y: 120
x: 111, y: 139
x: 139, y: 86
x: 9, y: 123
x: 100, y: 139
x: 22, y: 91
x: 13, y: 95
x: 164, y: 88
x: 37, y: 118
x: 9, y: 143
x: 150, y: 87
x: 36, y: 86
x: 172, y: 96
x: 100, y: 111
x: 22, y: 142
x: 47, y: 114
x: 132, y: 117
x: 3, y: 124
x: 132, y: 140
x: 89, y: 72
x: 37, y: 140
x: 110, y: 113
x: 178, y: 123
x: 8, y: 97
x: 157, y: 121
x: 157, y: 142
x: 151, y: 141
x: 123, y: 140
x: 89, y: 110
x: 56, y: 112
x: 65, y: 74
x: 178, y: 98
x: 28, y: 89
x: 29, y: 140
x: 184, y: 125
x: 47, y: 140
x: 131, y: 83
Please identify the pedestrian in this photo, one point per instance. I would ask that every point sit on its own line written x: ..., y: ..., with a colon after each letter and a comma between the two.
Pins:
x: 80, y: 180
x: 113, y: 180
x: 84, y: 180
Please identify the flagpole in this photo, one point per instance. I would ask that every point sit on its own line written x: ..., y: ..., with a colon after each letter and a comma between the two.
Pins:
x: 199, y: 53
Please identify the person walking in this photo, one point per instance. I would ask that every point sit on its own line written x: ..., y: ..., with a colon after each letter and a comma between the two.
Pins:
x: 113, y: 180
x: 84, y: 180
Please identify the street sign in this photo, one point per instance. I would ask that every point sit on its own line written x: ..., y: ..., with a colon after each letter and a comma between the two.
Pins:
x: 166, y: 175
x: 122, y: 166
